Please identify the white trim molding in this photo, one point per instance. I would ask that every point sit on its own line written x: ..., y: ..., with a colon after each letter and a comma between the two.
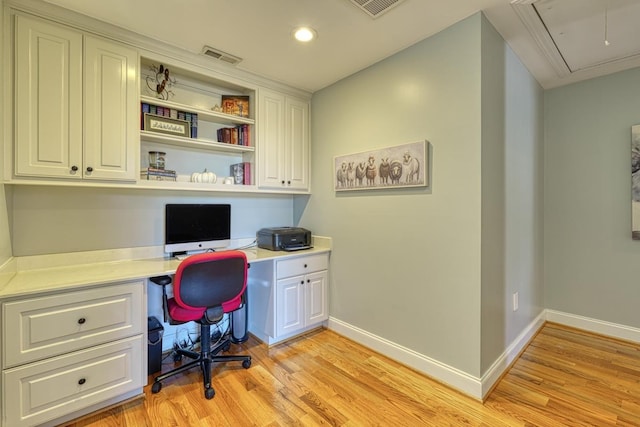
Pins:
x: 506, y: 359
x: 439, y: 371
x: 474, y: 387
x: 613, y: 330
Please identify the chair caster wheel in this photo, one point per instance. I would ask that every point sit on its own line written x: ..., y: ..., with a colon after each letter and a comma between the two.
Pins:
x: 246, y: 364
x: 177, y: 357
x: 226, y: 347
x: 156, y: 387
x: 209, y: 393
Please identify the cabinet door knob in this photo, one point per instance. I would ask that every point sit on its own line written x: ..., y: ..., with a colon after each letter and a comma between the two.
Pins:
x: 283, y: 182
x: 308, y: 280
x: 74, y: 168
x: 81, y: 381
x: 302, y: 282
x: 305, y: 266
x: 89, y: 169
x: 288, y: 182
x: 81, y: 321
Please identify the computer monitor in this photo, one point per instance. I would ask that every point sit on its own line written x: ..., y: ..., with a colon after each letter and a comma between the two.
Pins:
x: 196, y: 227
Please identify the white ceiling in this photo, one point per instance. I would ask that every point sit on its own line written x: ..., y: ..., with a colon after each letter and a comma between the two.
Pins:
x: 349, y: 40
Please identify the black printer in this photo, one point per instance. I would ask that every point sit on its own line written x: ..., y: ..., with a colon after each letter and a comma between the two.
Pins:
x: 284, y: 238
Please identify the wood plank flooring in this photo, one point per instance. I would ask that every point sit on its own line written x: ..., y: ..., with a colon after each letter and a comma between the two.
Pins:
x: 565, y: 377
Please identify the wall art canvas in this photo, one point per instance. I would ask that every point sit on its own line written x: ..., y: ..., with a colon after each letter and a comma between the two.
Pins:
x: 635, y: 182
x: 398, y: 166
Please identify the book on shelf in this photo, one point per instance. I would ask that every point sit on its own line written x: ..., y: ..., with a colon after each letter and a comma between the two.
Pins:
x: 159, y: 172
x: 194, y: 125
x: 153, y: 174
x: 146, y: 177
x: 235, y: 105
x: 145, y: 108
x: 241, y: 173
x: 238, y: 135
x: 171, y: 113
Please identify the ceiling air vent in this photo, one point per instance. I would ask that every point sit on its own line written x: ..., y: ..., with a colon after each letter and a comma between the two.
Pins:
x: 375, y: 8
x: 220, y: 55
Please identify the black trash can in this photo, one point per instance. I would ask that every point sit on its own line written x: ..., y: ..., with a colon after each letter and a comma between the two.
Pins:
x: 154, y: 338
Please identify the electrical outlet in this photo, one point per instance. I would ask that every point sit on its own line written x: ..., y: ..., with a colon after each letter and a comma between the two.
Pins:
x: 515, y: 301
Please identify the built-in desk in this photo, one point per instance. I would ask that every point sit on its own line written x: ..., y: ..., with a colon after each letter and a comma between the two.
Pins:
x: 73, y: 326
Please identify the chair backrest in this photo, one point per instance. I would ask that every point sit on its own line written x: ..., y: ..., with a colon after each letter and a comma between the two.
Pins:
x: 211, y: 279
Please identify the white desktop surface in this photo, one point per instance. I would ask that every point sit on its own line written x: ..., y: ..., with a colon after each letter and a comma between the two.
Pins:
x: 22, y: 276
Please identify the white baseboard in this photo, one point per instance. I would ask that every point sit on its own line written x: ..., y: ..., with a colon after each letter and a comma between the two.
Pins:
x: 452, y: 377
x: 500, y: 366
x: 614, y: 330
x: 462, y: 381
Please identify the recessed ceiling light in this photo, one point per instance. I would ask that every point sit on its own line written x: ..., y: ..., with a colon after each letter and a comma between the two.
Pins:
x: 304, y: 34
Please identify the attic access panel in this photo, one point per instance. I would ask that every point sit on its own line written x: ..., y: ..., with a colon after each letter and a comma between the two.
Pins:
x: 572, y: 33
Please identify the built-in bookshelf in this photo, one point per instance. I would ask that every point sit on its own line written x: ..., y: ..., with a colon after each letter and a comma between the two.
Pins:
x: 191, y: 118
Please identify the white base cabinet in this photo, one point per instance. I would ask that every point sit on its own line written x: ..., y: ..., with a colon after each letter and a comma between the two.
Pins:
x: 290, y: 299
x: 70, y: 352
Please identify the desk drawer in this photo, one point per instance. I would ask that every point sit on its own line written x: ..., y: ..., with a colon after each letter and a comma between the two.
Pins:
x: 302, y: 265
x: 37, y: 328
x: 47, y: 390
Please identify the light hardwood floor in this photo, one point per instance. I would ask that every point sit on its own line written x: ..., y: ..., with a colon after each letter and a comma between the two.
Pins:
x: 565, y: 377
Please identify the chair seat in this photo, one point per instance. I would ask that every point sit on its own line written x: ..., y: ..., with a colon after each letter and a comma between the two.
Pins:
x: 182, y: 314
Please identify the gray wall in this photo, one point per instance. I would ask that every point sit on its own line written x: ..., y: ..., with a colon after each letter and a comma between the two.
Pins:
x: 592, y: 266
x: 428, y: 269
x: 512, y: 183
x: 69, y: 219
x: 405, y: 264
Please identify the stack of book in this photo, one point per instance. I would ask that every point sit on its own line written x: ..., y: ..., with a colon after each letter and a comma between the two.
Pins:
x: 241, y: 173
x: 153, y: 174
x: 238, y: 135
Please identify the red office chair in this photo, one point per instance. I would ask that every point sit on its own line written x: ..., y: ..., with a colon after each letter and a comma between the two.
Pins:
x: 205, y: 287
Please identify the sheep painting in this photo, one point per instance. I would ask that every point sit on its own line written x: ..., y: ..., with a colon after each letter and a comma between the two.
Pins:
x: 370, y: 171
x: 341, y: 175
x: 351, y: 175
x: 360, y: 171
x: 391, y: 167
x: 413, y: 166
x: 384, y: 171
x: 395, y: 171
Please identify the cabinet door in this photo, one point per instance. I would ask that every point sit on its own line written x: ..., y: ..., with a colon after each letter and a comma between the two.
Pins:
x: 111, y: 111
x: 48, y: 100
x: 316, y: 298
x: 271, y: 140
x: 289, y: 305
x: 296, y: 162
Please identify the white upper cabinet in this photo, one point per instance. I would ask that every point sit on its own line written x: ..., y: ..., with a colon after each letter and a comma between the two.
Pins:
x: 283, y: 149
x: 75, y: 104
x: 85, y: 110
x: 48, y: 99
x: 111, y: 110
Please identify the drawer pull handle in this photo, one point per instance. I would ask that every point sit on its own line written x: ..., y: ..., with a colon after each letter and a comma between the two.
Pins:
x: 81, y: 321
x: 81, y: 381
x: 305, y: 266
